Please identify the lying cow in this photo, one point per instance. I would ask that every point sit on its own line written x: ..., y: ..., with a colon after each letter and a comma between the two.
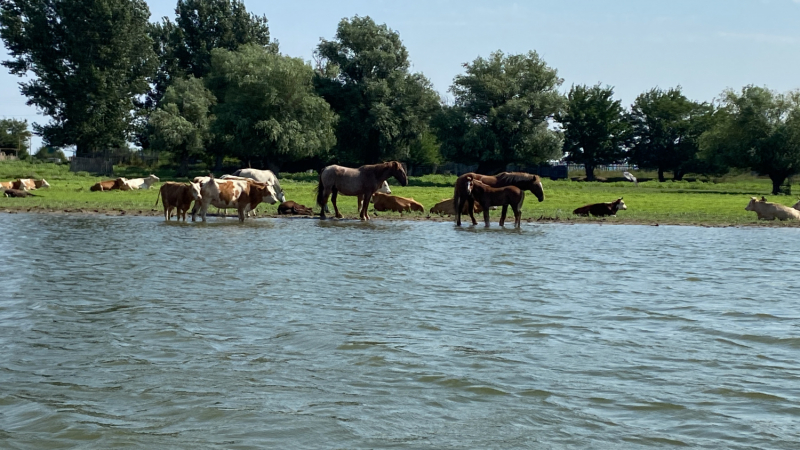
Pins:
x: 295, y: 209
x: 7, y: 184
x: 17, y: 193
x: 139, y: 183
x: 386, y: 202
x: 239, y: 194
x: 771, y: 211
x: 446, y: 207
x: 601, y: 209
x: 178, y: 195
x: 505, y: 196
x: 107, y: 185
x: 29, y: 184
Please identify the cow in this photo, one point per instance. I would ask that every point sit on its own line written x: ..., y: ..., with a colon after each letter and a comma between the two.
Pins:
x: 796, y: 205
x: 139, y: 183
x: 107, y: 185
x: 601, y: 209
x: 17, y: 193
x: 263, y: 176
x: 239, y: 194
x: 385, y: 202
x: 178, y: 195
x: 29, y: 184
x: 7, y: 184
x: 771, y: 211
x: 446, y: 207
x: 293, y: 208
x: 488, y: 196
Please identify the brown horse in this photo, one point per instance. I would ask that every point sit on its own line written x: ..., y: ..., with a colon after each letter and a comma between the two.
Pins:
x: 522, y: 180
x: 363, y: 181
x: 487, y: 196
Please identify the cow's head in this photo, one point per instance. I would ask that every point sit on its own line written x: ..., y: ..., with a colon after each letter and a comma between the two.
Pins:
x: 619, y: 204
x: 153, y: 179
x: 194, y: 188
x: 42, y: 183
x: 752, y: 205
x: 384, y: 189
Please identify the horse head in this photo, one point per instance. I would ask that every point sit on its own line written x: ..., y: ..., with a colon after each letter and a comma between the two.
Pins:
x: 537, y: 189
x: 399, y: 173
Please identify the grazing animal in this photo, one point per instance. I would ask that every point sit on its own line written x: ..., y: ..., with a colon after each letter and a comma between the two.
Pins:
x: 295, y: 209
x: 263, y: 176
x: 180, y: 196
x: 239, y: 194
x: 139, y: 183
x: 363, y: 181
x: 446, y: 207
x: 488, y: 196
x: 771, y: 211
x: 601, y: 209
x: 522, y: 180
x: 107, y: 185
x: 17, y: 193
x: 384, y: 202
x: 7, y: 184
x: 29, y: 184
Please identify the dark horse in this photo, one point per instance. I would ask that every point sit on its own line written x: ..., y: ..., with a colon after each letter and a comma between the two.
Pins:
x: 363, y: 181
x: 487, y: 196
x: 522, y: 180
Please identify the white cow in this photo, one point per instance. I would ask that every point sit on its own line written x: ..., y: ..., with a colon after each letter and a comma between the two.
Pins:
x: 230, y: 193
x: 263, y: 176
x: 771, y: 211
x: 139, y: 183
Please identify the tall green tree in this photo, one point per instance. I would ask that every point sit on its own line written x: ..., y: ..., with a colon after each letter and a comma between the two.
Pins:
x: 758, y: 129
x: 506, y: 103
x: 382, y: 107
x: 595, y: 127
x: 268, y: 112
x: 14, y: 134
x: 666, y: 129
x: 181, y: 124
x: 88, y: 60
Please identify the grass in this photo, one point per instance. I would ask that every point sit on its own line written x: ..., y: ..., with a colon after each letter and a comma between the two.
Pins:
x: 715, y: 202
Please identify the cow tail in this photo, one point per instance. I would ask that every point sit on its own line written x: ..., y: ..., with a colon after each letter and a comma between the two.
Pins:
x: 320, y: 193
x: 157, y: 197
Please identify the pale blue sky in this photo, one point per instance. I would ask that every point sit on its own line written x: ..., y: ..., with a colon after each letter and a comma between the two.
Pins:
x: 703, y: 45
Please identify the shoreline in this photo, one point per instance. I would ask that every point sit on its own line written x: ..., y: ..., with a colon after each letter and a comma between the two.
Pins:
x: 619, y: 220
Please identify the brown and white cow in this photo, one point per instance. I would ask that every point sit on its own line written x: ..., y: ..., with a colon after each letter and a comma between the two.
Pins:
x: 601, y: 209
x: 771, y: 211
x: 139, y: 183
x: 107, y: 185
x: 293, y: 208
x: 446, y: 206
x: 178, y: 195
x: 240, y: 194
x: 386, y: 202
x: 29, y: 184
x: 7, y: 184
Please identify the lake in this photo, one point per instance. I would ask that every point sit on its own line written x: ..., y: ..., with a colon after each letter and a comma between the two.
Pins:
x: 296, y: 333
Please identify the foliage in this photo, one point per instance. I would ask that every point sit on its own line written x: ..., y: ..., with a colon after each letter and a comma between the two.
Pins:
x: 46, y: 153
x: 425, y: 150
x: 364, y: 75
x: 666, y: 131
x: 181, y: 123
x: 89, y: 60
x: 268, y: 111
x: 14, y: 134
x: 757, y: 129
x: 502, y: 112
x: 595, y: 128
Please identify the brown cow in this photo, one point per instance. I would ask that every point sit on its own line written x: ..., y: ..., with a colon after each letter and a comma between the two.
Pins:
x: 446, y: 207
x: 7, y: 184
x: 178, y: 195
x: 386, y: 202
x: 488, y: 196
x: 601, y: 209
x: 107, y: 185
x: 293, y: 208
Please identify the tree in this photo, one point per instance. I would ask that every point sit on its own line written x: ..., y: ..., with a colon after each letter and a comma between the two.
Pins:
x: 507, y: 103
x: 181, y: 123
x: 595, y: 127
x: 46, y: 153
x: 268, y: 112
x: 14, y: 134
x: 89, y: 60
x: 425, y: 150
x: 757, y: 129
x: 364, y: 75
x: 666, y: 129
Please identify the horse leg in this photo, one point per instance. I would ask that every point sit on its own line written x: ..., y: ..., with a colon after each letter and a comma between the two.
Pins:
x: 459, y: 205
x: 485, y: 215
x: 517, y: 217
x: 471, y: 204
x: 360, y: 198
x: 334, y: 194
x: 324, y: 208
x: 364, y: 214
x: 503, y: 214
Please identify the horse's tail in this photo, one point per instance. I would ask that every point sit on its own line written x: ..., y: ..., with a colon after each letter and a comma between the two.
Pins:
x: 455, y: 200
x: 320, y: 193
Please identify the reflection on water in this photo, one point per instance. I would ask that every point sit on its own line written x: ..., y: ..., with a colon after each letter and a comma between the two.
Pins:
x: 296, y: 333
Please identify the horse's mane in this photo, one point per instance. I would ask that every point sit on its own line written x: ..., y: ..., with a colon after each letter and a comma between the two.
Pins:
x: 516, y: 177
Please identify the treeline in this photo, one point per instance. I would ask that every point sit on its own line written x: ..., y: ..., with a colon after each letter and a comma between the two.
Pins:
x: 211, y: 84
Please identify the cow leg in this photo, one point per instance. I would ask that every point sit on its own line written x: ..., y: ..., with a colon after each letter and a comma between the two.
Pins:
x: 334, y: 195
x: 242, y: 211
x: 503, y: 214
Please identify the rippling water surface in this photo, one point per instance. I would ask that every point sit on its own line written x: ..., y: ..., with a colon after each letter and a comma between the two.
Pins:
x: 305, y: 334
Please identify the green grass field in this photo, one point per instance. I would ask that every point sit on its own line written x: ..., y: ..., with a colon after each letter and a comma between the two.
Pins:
x: 716, y: 202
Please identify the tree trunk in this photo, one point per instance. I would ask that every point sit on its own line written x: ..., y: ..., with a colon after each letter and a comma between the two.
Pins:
x: 777, y: 181
x: 661, y: 175
x: 218, y: 162
x: 589, y: 172
x: 677, y: 175
x: 183, y: 168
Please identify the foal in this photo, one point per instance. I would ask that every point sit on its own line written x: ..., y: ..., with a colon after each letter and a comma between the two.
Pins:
x: 487, y: 196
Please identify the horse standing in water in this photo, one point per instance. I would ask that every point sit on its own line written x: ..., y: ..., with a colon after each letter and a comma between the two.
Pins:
x: 363, y: 181
x: 506, y: 196
x: 522, y: 180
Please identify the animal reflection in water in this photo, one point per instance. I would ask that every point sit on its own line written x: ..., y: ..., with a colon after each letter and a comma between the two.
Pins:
x: 363, y: 182
x: 524, y: 181
x: 505, y: 196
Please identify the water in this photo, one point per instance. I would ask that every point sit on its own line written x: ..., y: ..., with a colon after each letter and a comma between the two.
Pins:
x: 298, y: 334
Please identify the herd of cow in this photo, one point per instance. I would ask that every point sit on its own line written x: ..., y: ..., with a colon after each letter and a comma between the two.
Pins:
x: 247, y: 188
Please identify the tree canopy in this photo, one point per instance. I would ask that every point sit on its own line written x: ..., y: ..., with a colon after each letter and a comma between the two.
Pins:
x: 14, y: 134
x: 89, y: 61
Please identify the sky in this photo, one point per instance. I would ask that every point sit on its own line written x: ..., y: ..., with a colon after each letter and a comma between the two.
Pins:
x: 705, y: 46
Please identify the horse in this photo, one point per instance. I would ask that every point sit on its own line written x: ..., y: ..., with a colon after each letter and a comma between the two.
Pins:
x: 488, y: 196
x: 363, y: 181
x: 522, y: 180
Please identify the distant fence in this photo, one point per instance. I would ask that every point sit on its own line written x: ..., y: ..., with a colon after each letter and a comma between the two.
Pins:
x: 100, y: 166
x: 7, y: 157
x: 606, y: 168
